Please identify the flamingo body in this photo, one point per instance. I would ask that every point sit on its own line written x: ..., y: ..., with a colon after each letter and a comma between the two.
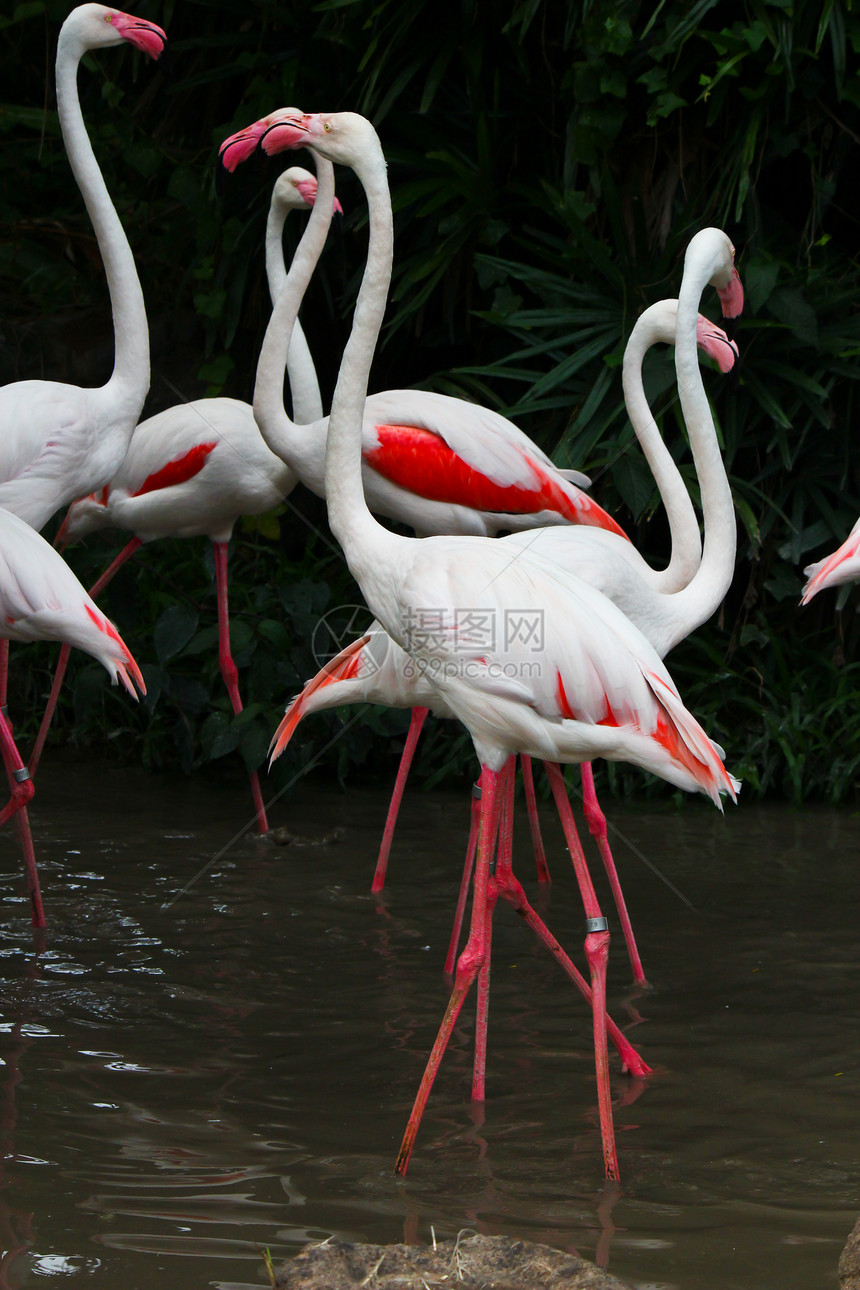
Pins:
x: 190, y: 471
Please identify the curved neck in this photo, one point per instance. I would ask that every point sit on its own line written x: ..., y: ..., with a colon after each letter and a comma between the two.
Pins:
x: 683, y: 525
x: 301, y: 373
x: 363, y: 539
x: 131, y: 333
x: 714, y: 575
x: 275, y: 426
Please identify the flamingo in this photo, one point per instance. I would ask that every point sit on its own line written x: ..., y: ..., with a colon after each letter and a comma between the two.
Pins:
x: 60, y: 441
x: 194, y: 469
x: 41, y: 599
x: 436, y: 463
x: 842, y: 566
x: 593, y: 686
x: 383, y: 673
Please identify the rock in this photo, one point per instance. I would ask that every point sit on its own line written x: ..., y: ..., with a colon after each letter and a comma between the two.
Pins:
x: 849, y: 1261
x: 471, y: 1262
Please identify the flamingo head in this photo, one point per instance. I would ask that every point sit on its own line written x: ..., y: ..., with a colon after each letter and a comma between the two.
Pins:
x: 296, y: 189
x: 96, y: 26
x: 338, y: 136
x: 713, y: 250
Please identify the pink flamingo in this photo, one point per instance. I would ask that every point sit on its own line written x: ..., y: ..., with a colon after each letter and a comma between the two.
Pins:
x: 194, y: 469
x: 62, y: 440
x: 41, y: 599
x: 842, y: 566
x: 597, y: 689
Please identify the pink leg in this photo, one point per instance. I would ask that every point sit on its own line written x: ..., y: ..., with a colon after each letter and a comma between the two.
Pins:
x: 416, y: 722
x: 230, y: 672
x: 4, y: 671
x: 597, y: 953
x: 534, y: 822
x: 62, y: 663
x: 22, y: 791
x: 596, y: 821
x: 505, y: 844
x: 468, y: 965
x: 471, y: 848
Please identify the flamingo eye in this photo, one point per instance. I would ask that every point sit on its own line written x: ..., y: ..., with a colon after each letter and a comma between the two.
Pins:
x: 327, y: 127
x: 108, y: 17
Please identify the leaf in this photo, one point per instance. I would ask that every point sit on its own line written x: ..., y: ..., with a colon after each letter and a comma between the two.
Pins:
x: 173, y: 631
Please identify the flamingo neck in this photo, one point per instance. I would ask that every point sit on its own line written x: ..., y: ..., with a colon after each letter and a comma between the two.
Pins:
x: 365, y: 542
x: 276, y: 427
x: 711, y: 582
x: 683, y: 525
x: 130, y: 378
x: 301, y: 373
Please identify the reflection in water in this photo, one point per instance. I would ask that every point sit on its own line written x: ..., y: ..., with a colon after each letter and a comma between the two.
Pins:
x: 233, y: 1072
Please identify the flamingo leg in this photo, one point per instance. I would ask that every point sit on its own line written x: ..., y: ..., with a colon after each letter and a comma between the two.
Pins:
x: 4, y: 671
x: 416, y: 723
x: 63, y: 661
x: 21, y: 786
x: 468, y: 965
x: 471, y: 848
x: 503, y: 856
x: 596, y: 822
x: 534, y: 822
x: 597, y: 954
x: 230, y: 672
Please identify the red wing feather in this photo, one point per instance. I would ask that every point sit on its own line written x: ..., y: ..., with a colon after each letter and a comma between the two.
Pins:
x: 422, y: 462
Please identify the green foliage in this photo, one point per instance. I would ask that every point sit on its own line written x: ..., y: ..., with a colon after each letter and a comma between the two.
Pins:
x: 548, y: 163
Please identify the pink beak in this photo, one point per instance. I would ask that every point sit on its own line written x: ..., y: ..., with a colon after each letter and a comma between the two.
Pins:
x: 146, y: 36
x: 239, y: 146
x: 282, y: 135
x: 716, y: 344
x: 308, y: 190
x: 732, y: 296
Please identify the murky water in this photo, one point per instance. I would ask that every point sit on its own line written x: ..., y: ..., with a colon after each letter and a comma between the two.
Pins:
x: 188, y: 1083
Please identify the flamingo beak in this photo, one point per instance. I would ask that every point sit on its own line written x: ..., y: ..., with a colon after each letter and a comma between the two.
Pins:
x: 146, y: 36
x: 732, y: 296
x: 286, y: 133
x: 240, y: 146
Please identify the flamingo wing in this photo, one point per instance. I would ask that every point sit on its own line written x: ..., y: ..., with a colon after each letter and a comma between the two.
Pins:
x: 449, y: 450
x: 555, y: 660
x: 842, y: 566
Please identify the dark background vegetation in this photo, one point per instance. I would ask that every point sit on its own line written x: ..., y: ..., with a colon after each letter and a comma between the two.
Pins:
x: 549, y: 161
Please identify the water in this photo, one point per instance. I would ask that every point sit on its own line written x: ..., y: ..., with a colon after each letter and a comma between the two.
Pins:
x: 188, y: 1083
